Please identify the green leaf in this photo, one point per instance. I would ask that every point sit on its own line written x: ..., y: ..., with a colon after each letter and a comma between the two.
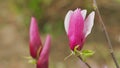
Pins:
x: 86, y: 53
x: 31, y: 60
x: 83, y: 54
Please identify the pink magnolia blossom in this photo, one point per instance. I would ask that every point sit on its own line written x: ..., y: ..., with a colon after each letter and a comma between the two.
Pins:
x: 44, y: 56
x: 37, y: 51
x: 35, y: 42
x: 78, y: 27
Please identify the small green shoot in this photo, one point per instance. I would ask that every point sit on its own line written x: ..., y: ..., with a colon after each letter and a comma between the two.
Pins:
x: 30, y: 60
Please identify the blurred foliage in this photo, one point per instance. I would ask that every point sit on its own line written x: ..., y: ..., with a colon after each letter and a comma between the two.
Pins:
x: 15, y: 18
x: 42, y: 10
x: 118, y: 0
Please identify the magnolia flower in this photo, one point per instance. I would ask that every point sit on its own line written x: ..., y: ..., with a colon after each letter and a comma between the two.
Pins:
x: 43, y: 58
x: 78, y: 27
x: 35, y: 42
x: 37, y: 51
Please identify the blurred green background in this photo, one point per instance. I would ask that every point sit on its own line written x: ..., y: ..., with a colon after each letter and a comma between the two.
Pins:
x: 15, y: 18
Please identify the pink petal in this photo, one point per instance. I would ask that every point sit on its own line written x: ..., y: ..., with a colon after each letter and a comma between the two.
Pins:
x: 89, y: 24
x: 35, y: 41
x: 75, y: 30
x: 67, y: 20
x: 84, y: 12
x: 43, y: 58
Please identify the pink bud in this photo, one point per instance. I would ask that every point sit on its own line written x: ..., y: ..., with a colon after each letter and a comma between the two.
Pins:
x: 78, y: 27
x: 41, y: 54
x: 35, y: 42
x: 44, y: 56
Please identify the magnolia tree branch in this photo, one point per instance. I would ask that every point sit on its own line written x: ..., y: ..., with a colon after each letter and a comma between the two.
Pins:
x: 106, y: 33
x: 84, y: 62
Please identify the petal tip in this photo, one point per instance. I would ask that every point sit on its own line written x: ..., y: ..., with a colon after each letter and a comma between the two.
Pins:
x: 93, y: 13
x: 67, y: 20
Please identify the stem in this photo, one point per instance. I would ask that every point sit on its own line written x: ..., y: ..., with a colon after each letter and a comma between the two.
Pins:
x: 106, y: 34
x: 84, y: 62
x: 77, y: 53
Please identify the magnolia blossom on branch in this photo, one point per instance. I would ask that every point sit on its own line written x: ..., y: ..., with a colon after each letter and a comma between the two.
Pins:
x: 39, y: 52
x: 78, y: 27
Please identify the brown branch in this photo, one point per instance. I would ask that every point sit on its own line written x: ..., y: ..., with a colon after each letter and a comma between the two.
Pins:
x: 84, y: 62
x: 106, y: 33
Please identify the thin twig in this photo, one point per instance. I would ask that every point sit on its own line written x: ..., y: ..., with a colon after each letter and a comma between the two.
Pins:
x: 106, y: 34
x: 84, y: 62
x: 76, y: 53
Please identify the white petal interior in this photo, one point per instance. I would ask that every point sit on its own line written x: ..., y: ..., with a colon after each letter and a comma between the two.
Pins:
x: 67, y: 20
x: 84, y: 12
x: 89, y: 24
